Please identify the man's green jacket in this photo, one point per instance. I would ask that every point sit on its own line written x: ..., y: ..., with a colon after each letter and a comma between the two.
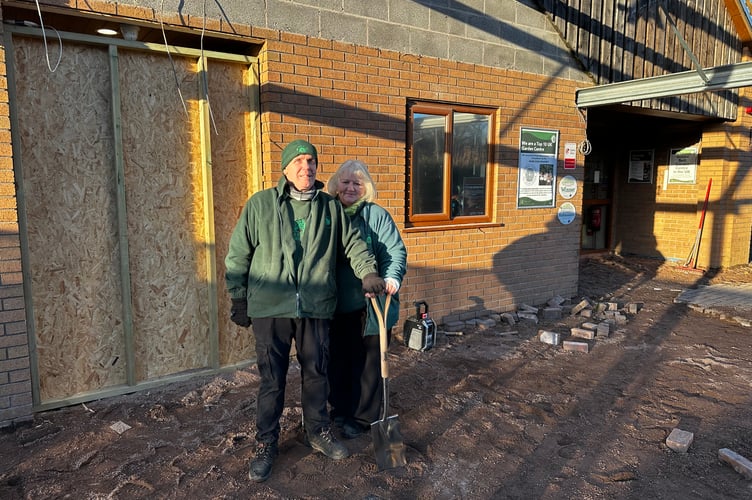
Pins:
x: 261, y: 264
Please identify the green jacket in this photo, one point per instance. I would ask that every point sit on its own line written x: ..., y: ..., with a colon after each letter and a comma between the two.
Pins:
x: 378, y: 230
x: 260, y: 263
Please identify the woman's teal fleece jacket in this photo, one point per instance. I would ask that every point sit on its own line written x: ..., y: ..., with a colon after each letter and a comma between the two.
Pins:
x: 378, y: 230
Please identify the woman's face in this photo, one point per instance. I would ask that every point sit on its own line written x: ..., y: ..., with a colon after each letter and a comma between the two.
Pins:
x: 350, y: 189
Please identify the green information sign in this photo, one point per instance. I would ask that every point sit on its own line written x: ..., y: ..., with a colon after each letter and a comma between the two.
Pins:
x: 536, y: 182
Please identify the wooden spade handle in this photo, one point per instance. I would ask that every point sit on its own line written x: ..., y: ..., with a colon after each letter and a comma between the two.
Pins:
x: 382, y: 332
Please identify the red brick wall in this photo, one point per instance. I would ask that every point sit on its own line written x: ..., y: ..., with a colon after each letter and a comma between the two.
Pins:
x: 663, y: 221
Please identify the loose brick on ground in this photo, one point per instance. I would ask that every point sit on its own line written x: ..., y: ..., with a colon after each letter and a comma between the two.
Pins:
x: 736, y: 461
x: 603, y: 329
x: 547, y: 337
x: 582, y: 333
x: 679, y: 440
x: 573, y: 345
x: 580, y: 306
x: 552, y: 313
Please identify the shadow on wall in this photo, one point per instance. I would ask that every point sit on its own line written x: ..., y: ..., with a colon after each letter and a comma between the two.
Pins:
x: 542, y: 264
x: 530, y: 270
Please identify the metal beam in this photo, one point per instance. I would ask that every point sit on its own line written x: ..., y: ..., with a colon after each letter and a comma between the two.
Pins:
x: 687, y: 82
x: 683, y: 42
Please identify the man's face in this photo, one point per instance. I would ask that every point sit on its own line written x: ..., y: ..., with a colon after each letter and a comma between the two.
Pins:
x: 301, y: 171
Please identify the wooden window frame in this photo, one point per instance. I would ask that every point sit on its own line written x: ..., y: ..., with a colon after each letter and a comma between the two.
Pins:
x: 444, y: 217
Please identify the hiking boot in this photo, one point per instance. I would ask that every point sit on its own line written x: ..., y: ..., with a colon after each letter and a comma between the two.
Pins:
x: 327, y: 444
x: 261, y: 466
x: 352, y: 429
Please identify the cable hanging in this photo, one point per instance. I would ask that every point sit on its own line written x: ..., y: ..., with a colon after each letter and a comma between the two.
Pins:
x: 204, y: 72
x: 169, y: 56
x: 44, y: 39
x: 584, y: 147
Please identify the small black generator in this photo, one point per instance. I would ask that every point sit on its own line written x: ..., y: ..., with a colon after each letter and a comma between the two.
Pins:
x: 420, y: 330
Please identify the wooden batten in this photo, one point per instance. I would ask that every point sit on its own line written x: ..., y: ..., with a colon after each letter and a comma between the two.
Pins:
x: 232, y: 178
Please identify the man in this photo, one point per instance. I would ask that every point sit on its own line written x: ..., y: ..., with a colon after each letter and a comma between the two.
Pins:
x: 281, y: 277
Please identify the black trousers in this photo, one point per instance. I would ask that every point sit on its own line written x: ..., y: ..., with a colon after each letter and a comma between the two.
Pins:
x: 274, y: 337
x: 355, y: 381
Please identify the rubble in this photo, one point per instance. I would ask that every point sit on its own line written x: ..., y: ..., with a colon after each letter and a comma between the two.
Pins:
x: 601, y: 317
x: 120, y: 427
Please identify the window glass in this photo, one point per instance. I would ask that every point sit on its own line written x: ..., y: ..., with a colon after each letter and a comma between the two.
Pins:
x: 469, y: 161
x: 429, y: 146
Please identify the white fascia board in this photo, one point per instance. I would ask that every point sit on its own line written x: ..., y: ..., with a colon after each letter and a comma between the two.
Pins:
x: 687, y: 82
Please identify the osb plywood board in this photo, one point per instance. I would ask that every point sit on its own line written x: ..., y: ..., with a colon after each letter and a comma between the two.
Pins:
x: 166, y: 223
x: 231, y: 149
x: 69, y: 184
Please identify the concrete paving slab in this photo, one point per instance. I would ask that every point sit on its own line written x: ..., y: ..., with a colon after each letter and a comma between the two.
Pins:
x: 730, y: 300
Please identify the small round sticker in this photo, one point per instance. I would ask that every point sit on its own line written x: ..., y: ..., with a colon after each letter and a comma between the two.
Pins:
x: 567, y: 213
x: 567, y: 187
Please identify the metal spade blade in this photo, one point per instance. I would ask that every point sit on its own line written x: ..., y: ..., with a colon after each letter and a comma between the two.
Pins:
x: 387, y: 443
x: 385, y: 433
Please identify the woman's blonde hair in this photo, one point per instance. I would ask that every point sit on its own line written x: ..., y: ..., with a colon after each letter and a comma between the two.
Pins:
x: 360, y: 171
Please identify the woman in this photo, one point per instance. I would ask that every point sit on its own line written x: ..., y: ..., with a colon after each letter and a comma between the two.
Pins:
x: 354, y: 363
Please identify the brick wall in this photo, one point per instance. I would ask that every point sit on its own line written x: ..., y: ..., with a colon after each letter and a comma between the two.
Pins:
x: 663, y: 221
x: 351, y: 101
x: 15, y: 375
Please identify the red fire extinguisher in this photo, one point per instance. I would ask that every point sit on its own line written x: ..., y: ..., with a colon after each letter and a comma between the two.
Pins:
x: 595, y: 220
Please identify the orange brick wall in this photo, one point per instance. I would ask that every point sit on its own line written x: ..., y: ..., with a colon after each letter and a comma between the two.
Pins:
x: 352, y: 101
x: 663, y: 221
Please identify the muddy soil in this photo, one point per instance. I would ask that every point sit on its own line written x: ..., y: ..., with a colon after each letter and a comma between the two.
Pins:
x: 489, y: 414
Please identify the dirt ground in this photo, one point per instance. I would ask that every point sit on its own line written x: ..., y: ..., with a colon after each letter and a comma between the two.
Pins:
x: 488, y: 414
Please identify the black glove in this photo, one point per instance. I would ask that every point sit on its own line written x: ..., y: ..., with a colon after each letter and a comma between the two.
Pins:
x: 373, y: 283
x: 239, y: 313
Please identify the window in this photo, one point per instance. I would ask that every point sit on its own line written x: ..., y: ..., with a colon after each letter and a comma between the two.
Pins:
x: 450, y: 164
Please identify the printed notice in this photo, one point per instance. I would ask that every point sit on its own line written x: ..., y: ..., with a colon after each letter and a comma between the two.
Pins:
x: 682, y: 167
x: 536, y: 180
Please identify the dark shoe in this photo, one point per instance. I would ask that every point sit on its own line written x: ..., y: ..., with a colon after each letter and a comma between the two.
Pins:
x: 261, y: 466
x: 352, y: 429
x: 327, y: 444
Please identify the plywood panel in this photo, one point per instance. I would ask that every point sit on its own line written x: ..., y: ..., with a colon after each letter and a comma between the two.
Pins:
x: 231, y: 148
x: 166, y: 226
x: 69, y: 184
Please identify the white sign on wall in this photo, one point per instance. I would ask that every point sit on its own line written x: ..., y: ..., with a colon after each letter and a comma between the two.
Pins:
x: 682, y: 166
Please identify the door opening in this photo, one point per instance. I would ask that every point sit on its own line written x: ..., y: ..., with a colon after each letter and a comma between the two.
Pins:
x: 596, y: 205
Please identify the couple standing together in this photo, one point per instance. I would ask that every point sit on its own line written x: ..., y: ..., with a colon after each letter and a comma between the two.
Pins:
x: 300, y: 265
